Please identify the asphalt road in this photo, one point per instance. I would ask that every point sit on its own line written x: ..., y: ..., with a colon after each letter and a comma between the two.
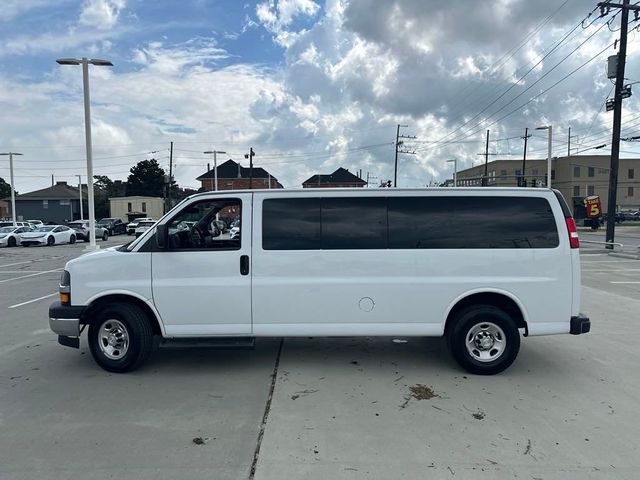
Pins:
x: 341, y: 408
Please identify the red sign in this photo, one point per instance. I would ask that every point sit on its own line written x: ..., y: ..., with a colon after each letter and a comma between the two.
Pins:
x: 593, y: 206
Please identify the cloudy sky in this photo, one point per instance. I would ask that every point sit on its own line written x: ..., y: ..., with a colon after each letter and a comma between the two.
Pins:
x: 311, y: 85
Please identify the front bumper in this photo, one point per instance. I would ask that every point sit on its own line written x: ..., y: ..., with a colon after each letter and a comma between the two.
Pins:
x: 580, y: 324
x: 65, y: 321
x: 33, y: 241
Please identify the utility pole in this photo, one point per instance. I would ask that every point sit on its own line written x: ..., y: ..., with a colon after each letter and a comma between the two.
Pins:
x: 617, y: 112
x: 398, y: 144
x: 80, y: 188
x: 13, y: 188
x: 486, y: 161
x: 250, y: 156
x: 523, y: 182
x: 569, y: 137
x: 170, y: 176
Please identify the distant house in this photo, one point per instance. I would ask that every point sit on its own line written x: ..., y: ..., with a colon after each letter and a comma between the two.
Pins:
x: 340, y: 178
x: 59, y: 203
x: 233, y: 176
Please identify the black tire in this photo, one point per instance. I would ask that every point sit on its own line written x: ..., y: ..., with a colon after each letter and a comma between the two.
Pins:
x: 11, y: 242
x: 139, y: 332
x: 51, y: 241
x: 105, y: 236
x: 72, y: 239
x: 475, y: 316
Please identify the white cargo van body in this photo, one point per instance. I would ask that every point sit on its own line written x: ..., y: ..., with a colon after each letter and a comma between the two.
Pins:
x: 476, y: 265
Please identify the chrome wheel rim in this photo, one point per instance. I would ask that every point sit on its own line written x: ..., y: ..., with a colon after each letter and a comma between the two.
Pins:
x: 485, y: 342
x: 113, y: 339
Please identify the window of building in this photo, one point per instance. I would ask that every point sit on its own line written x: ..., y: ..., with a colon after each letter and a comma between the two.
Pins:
x: 629, y: 191
x: 576, y: 171
x: 590, y: 190
x: 591, y: 172
x: 198, y: 227
x: 144, y: 207
x: 129, y: 207
x: 45, y: 203
x: 65, y: 202
x: 553, y: 174
x: 503, y: 173
x: 576, y: 190
x: 631, y: 174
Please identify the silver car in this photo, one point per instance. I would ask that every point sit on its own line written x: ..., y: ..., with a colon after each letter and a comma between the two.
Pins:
x: 81, y: 228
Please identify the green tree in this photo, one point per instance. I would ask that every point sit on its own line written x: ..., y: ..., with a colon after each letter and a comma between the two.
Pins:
x: 103, y: 190
x: 146, y: 178
x: 5, y: 189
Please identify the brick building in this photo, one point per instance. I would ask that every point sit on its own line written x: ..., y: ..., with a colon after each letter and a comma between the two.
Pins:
x: 576, y: 177
x: 340, y: 178
x: 233, y: 176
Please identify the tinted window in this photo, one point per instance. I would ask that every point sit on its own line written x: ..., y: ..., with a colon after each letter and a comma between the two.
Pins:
x: 354, y: 223
x: 289, y: 224
x: 471, y: 222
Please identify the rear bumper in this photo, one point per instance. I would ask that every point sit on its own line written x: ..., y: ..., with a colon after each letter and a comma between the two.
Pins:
x: 580, y: 324
x: 65, y: 319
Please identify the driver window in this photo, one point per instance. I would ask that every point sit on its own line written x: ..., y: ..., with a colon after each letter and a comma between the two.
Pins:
x: 207, y: 225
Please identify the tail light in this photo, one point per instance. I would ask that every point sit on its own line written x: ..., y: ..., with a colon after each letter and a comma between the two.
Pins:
x: 574, y: 241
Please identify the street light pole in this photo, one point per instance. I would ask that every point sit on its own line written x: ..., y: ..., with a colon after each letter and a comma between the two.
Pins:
x: 85, y: 62
x: 215, y: 166
x: 549, y: 153
x: 13, y: 192
x: 455, y: 171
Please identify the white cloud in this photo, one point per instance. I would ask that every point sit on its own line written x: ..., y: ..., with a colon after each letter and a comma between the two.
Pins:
x: 277, y: 15
x: 101, y: 14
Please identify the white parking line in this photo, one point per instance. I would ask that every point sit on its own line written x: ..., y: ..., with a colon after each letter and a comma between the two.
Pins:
x: 626, y: 282
x: 30, y: 275
x: 34, y: 300
x: 13, y: 264
x: 10, y: 272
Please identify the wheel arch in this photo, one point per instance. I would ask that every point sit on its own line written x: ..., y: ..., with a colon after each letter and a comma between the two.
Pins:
x: 125, y: 297
x: 498, y: 298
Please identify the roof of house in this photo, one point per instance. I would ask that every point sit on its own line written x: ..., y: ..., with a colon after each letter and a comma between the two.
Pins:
x: 341, y: 175
x: 59, y: 191
x: 231, y: 169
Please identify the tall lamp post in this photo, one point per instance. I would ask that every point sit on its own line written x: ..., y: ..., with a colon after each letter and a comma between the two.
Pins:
x: 455, y: 171
x: 13, y: 192
x: 550, y: 129
x: 85, y: 62
x: 215, y: 166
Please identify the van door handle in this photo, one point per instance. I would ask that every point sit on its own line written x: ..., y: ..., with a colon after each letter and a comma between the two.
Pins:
x: 244, y: 264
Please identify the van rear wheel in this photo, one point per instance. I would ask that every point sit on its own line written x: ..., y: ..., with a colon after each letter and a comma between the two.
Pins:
x: 120, y: 337
x: 483, y: 339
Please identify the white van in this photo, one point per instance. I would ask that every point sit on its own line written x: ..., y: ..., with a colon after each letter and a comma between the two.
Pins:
x: 477, y: 265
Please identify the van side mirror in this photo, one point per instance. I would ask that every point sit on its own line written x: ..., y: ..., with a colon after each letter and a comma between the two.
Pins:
x: 161, y: 235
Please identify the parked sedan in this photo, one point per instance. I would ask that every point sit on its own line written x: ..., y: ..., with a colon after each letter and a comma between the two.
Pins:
x: 131, y: 226
x: 10, y: 236
x: 81, y: 228
x: 114, y: 226
x: 144, y: 226
x: 48, y: 235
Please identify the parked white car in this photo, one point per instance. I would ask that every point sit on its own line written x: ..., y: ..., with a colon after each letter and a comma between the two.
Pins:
x: 131, y: 226
x: 143, y: 226
x: 81, y: 228
x: 9, y: 223
x: 48, y: 235
x: 10, y: 236
x: 479, y: 266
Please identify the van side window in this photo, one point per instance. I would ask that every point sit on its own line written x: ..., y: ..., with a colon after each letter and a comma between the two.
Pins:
x: 205, y: 226
x: 354, y: 223
x: 471, y: 222
x: 291, y: 225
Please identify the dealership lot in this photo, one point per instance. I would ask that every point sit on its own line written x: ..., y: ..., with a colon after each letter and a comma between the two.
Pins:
x: 340, y: 408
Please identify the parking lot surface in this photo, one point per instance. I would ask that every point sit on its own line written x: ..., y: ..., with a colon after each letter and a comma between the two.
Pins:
x: 340, y: 408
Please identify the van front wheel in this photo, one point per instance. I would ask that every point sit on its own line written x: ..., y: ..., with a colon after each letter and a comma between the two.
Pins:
x: 483, y: 339
x: 120, y: 337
